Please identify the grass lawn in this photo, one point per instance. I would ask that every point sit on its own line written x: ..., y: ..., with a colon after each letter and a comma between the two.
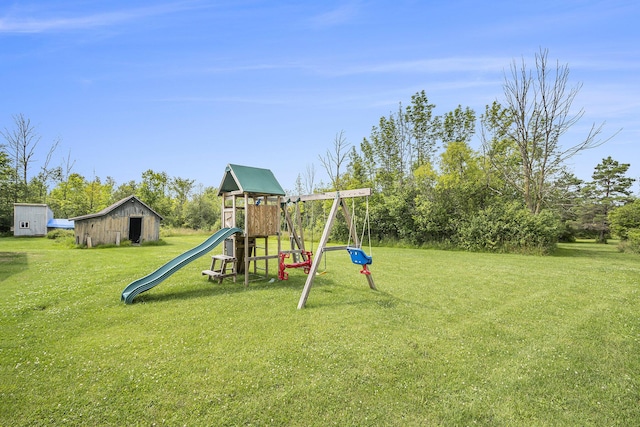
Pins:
x: 449, y: 338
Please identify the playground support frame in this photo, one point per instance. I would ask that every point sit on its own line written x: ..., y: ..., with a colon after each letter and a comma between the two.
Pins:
x: 338, y: 201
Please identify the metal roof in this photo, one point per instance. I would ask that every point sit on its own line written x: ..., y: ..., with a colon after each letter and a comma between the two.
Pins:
x: 114, y: 206
x: 60, y: 223
x: 246, y: 179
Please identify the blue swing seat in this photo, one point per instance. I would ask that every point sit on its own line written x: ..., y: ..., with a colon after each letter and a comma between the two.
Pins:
x: 359, y: 257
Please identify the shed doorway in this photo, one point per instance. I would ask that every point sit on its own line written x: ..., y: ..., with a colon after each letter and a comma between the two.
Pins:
x: 135, y: 230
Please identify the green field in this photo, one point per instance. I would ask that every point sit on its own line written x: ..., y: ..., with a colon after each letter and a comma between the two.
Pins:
x: 449, y: 338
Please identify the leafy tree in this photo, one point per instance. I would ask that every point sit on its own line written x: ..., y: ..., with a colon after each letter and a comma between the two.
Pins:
x: 70, y: 198
x: 153, y: 190
x: 6, y: 192
x: 458, y: 125
x: 389, y: 151
x: 431, y: 219
x: 181, y: 189
x: 368, y: 161
x: 501, y: 161
x: 124, y: 190
x: 461, y: 179
x: 447, y: 199
x: 356, y: 177
x: 202, y: 212
x: 624, y: 219
x: 425, y: 129
x: 98, y: 195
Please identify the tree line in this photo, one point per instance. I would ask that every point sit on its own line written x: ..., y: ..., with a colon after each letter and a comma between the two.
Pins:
x: 431, y: 187
x: 514, y: 193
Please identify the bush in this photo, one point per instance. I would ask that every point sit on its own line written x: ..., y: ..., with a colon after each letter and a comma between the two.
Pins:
x: 63, y: 237
x: 59, y: 233
x: 509, y: 228
x: 625, y: 218
x: 632, y: 242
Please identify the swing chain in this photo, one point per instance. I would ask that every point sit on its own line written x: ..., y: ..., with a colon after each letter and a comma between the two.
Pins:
x: 354, y: 228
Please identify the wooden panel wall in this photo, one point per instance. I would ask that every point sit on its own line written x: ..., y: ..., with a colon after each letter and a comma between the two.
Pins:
x: 262, y: 220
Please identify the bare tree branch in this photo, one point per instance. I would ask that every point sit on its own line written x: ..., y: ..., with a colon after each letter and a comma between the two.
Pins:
x: 539, y: 105
x: 334, y: 160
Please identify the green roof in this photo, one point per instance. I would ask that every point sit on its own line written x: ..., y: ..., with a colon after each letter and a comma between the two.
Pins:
x: 249, y: 180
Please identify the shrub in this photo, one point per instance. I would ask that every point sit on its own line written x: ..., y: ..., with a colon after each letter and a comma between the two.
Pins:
x: 509, y: 228
x: 65, y: 238
x: 59, y: 233
x: 632, y: 242
x: 625, y: 218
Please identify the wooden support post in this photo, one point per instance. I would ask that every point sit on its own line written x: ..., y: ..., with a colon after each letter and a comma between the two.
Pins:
x: 322, y: 245
x: 372, y: 285
x: 246, y: 241
x: 281, y: 203
x: 316, y: 260
x: 266, y: 257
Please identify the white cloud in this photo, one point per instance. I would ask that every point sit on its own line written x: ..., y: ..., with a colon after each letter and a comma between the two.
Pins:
x: 20, y: 24
x: 338, y: 16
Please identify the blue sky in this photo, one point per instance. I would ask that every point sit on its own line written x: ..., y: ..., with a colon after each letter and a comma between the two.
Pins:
x: 188, y: 86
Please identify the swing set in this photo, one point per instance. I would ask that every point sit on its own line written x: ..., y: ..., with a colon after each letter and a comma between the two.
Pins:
x: 310, y: 264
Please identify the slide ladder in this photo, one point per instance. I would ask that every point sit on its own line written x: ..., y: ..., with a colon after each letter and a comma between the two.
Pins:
x: 149, y: 281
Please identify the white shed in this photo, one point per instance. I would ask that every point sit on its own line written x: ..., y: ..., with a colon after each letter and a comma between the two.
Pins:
x: 31, y: 219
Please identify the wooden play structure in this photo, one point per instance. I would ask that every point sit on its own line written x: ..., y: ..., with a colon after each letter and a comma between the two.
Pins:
x: 252, y: 200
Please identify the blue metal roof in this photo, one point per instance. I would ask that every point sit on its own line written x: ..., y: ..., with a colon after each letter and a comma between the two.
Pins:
x: 60, y: 223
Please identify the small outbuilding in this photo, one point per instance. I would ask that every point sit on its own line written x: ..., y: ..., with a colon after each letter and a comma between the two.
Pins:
x: 36, y: 219
x: 31, y: 219
x: 129, y: 218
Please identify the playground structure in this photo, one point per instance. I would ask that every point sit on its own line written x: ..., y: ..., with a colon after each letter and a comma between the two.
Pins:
x: 251, y: 203
x: 355, y: 251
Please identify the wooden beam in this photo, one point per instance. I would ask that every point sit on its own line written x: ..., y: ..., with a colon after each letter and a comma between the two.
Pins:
x: 372, y: 285
x: 263, y: 257
x: 316, y: 260
x: 338, y: 202
x: 360, y: 192
x: 246, y: 244
x: 334, y: 248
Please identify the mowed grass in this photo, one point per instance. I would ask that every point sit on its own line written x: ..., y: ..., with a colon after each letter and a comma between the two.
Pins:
x: 449, y: 338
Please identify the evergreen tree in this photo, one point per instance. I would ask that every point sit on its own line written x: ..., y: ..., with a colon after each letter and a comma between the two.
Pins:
x: 609, y: 188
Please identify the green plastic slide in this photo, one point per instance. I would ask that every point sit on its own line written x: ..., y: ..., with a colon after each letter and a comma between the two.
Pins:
x: 147, y: 282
